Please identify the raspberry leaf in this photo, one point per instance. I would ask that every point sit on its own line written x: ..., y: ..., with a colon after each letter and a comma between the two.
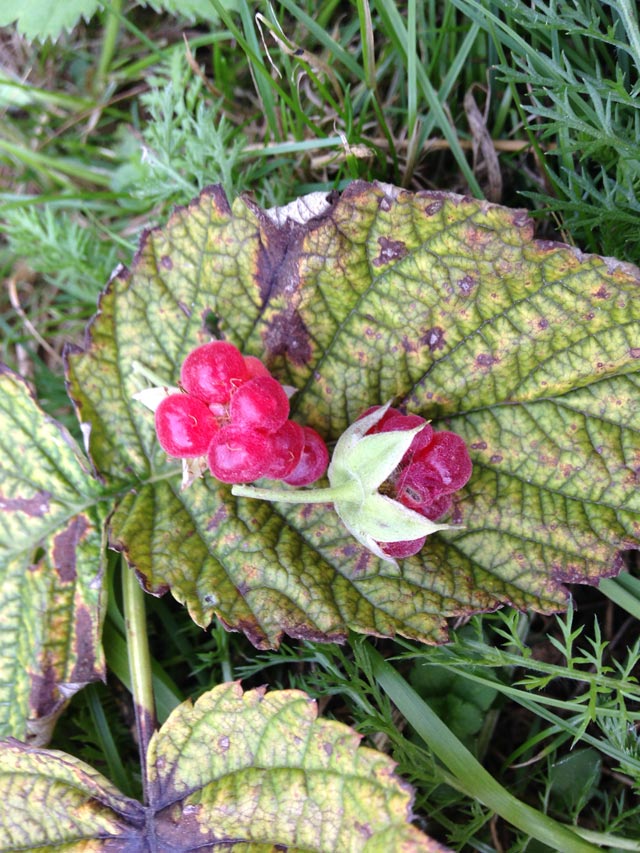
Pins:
x: 250, y: 772
x: 50, y: 567
x: 43, y: 19
x: 447, y: 305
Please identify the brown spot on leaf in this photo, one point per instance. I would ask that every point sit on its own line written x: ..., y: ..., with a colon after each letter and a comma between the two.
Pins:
x: 390, y: 250
x: 467, y: 284
x: 287, y: 335
x: 543, y: 323
x: 479, y: 445
x: 477, y: 236
x: 407, y: 344
x: 84, y: 668
x: 433, y: 338
x: 349, y: 551
x: 548, y: 461
x: 223, y: 743
x: 634, y: 352
x: 364, y: 829
x: 496, y: 458
x: 220, y: 515
x: 602, y: 293
x: 362, y: 565
x: 280, y: 242
x: 434, y: 207
x: 177, y: 829
x: 521, y: 219
x: 166, y: 262
x: 243, y: 588
x: 486, y: 360
x: 65, y: 546
x: 38, y: 505
x: 43, y: 696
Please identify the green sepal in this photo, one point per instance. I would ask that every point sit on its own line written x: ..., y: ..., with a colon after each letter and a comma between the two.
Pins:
x: 386, y: 520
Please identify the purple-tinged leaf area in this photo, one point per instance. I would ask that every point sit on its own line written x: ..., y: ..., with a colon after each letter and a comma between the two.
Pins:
x: 240, y: 771
x: 443, y: 304
x: 262, y: 768
x: 50, y: 567
x: 53, y: 801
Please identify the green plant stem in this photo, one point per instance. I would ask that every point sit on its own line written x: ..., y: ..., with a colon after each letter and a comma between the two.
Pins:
x: 139, y: 666
x: 347, y: 491
x: 113, y: 13
x: 470, y: 776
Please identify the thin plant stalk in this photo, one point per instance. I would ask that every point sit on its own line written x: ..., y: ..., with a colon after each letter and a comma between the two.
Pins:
x: 139, y: 667
x: 113, y: 13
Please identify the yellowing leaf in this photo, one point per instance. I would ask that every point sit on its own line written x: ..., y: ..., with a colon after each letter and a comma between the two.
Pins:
x: 448, y: 306
x: 50, y: 567
x: 237, y: 771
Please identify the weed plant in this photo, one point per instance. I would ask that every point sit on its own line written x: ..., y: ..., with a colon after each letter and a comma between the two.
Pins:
x: 537, y: 105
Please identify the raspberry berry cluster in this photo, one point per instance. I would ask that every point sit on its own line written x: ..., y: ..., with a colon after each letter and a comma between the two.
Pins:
x: 435, y: 466
x: 390, y: 476
x: 233, y: 411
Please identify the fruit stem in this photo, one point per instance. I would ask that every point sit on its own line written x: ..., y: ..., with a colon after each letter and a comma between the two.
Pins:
x: 347, y: 491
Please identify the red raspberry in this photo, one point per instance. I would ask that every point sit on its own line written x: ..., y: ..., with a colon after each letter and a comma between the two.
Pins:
x: 313, y: 462
x: 435, y: 465
x: 184, y: 426
x: 236, y: 413
x: 255, y: 367
x: 286, y: 446
x: 447, y: 458
x: 404, y: 548
x: 260, y: 403
x: 238, y: 454
x: 213, y: 371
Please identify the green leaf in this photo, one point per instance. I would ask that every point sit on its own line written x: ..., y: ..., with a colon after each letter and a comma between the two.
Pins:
x: 447, y: 305
x: 50, y: 567
x: 202, y: 10
x: 43, y: 19
x: 236, y: 771
x: 448, y: 693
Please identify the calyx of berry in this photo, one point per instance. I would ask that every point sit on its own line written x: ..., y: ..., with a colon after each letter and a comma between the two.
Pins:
x: 360, y: 464
x: 368, y: 461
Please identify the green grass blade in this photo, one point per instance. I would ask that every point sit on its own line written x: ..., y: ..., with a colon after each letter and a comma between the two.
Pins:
x: 323, y: 38
x: 397, y: 30
x: 117, y: 772
x: 470, y: 775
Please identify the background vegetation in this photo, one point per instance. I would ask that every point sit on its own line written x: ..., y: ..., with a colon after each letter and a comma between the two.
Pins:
x: 105, y: 127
